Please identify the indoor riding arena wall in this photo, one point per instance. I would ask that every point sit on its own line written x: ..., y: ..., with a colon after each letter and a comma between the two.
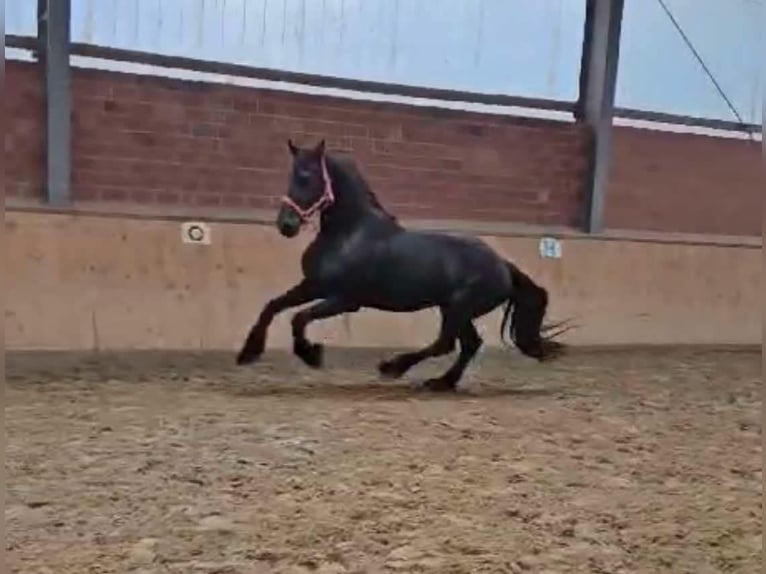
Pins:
x: 680, y: 262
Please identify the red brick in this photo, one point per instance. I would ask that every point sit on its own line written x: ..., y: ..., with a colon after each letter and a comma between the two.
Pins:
x: 168, y: 197
x: 207, y: 199
x: 114, y: 194
x: 85, y: 193
x: 142, y: 196
x: 232, y: 200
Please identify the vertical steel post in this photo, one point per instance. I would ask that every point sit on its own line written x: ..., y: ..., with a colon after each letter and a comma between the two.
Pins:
x: 53, y: 34
x: 598, y: 79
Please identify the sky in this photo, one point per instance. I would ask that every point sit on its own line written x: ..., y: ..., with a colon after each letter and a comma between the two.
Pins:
x: 521, y: 47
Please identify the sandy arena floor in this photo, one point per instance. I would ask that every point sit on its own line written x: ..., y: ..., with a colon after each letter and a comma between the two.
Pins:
x: 623, y: 462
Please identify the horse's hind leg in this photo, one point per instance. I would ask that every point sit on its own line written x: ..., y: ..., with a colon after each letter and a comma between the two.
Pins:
x: 470, y: 343
x: 457, y: 322
x: 398, y: 365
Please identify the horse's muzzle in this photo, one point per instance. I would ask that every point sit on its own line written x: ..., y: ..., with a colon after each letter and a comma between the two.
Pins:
x: 288, y: 222
x: 288, y: 230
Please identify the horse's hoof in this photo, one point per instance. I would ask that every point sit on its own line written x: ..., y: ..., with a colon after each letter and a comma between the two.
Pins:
x: 390, y: 370
x: 247, y: 356
x: 312, y: 354
x: 438, y: 385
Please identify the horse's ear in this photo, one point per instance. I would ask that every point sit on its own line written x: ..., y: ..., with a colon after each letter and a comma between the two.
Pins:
x: 292, y: 147
x: 319, y: 149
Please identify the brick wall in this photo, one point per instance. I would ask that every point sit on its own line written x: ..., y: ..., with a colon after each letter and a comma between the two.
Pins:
x: 683, y: 182
x: 24, y: 133
x: 158, y: 141
x: 152, y: 140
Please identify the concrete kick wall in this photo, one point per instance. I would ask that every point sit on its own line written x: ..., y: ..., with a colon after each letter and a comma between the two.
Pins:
x: 83, y: 282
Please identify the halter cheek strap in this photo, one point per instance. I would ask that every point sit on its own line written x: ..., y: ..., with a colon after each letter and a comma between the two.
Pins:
x: 325, y: 200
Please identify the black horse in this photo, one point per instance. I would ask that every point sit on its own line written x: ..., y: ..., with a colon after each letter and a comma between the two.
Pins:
x: 362, y: 257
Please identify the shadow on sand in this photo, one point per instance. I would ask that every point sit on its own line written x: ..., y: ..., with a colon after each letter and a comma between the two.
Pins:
x: 375, y: 391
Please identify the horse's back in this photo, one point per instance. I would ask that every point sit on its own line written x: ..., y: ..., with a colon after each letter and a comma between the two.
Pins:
x: 436, y: 265
x: 466, y: 252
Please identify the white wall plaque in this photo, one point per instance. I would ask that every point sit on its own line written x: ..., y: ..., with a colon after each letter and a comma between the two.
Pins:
x: 550, y: 247
x: 195, y: 232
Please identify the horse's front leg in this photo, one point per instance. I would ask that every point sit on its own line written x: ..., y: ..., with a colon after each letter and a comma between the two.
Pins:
x: 311, y: 353
x: 255, y: 343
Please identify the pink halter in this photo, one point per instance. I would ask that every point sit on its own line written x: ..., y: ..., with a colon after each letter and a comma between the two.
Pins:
x: 325, y: 200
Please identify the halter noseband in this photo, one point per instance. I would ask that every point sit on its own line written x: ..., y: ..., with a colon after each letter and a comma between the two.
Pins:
x: 325, y: 200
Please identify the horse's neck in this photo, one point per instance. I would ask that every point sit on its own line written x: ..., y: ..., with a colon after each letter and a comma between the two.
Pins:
x: 353, y: 205
x: 344, y: 218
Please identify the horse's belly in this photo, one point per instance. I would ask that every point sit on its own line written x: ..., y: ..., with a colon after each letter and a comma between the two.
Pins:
x: 399, y: 307
x: 402, y: 297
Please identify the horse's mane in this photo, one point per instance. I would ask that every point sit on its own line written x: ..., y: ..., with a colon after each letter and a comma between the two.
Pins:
x: 351, y: 172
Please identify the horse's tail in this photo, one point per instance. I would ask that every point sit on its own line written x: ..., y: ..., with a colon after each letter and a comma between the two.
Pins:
x: 523, y: 318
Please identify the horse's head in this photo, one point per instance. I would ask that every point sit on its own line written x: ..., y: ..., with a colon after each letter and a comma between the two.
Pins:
x: 309, y: 189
